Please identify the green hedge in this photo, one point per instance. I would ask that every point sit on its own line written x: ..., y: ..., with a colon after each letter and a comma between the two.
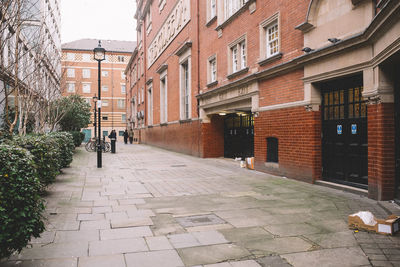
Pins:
x: 65, y: 147
x: 46, y: 154
x: 78, y: 137
x: 20, y: 204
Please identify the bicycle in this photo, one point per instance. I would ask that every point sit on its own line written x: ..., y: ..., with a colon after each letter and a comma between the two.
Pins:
x: 91, y: 146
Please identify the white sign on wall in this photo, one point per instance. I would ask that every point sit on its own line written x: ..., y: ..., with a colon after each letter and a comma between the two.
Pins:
x: 176, y: 21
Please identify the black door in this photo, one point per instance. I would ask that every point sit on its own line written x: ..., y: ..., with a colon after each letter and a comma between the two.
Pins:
x: 344, y: 132
x: 238, y: 136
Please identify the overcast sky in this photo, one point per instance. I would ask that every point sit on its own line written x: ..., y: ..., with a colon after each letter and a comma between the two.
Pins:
x: 98, y: 19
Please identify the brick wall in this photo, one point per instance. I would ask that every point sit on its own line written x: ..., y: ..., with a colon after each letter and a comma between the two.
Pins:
x: 381, y: 151
x: 299, y: 136
x: 179, y: 137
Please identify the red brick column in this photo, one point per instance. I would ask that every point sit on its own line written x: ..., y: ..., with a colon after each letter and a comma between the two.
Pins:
x: 212, y: 136
x: 381, y: 151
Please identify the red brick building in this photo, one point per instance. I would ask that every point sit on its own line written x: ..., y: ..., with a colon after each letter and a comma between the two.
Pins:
x: 306, y: 87
x: 80, y: 75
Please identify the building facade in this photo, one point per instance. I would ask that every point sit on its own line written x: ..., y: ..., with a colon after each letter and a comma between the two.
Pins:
x: 308, y: 88
x: 80, y: 76
x: 30, y: 50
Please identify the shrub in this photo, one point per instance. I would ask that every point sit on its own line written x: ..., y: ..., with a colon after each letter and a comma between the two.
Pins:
x: 65, y: 147
x: 20, y: 204
x: 78, y: 137
x: 45, y: 153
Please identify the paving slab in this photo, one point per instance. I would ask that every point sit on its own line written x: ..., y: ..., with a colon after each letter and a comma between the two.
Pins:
x: 119, y: 246
x: 329, y: 258
x: 158, y: 243
x: 165, y: 258
x: 212, y: 254
x: 54, y: 250
x: 122, y: 233
x: 102, y: 261
x: 280, y: 245
x: 71, y: 262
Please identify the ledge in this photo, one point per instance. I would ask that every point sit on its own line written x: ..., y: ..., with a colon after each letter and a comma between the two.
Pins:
x: 161, y: 68
x: 304, y: 27
x: 270, y: 59
x: 214, y: 83
x: 150, y: 80
x: 239, y: 72
x: 150, y: 126
x: 183, y: 48
x: 272, y: 165
x: 211, y: 21
x: 163, y: 124
x: 185, y: 121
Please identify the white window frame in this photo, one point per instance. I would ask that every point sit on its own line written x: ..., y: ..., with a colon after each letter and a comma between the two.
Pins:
x: 104, y: 103
x: 70, y: 56
x: 212, y: 69
x: 265, y: 43
x: 150, y: 104
x: 163, y: 97
x: 185, y: 85
x: 104, y: 73
x: 123, y: 88
x: 237, y: 53
x: 233, y: 6
x: 84, y: 85
x: 104, y: 88
x: 121, y: 103
x: 86, y: 57
x: 71, y: 87
x: 123, y: 118
x: 86, y: 73
x: 70, y: 73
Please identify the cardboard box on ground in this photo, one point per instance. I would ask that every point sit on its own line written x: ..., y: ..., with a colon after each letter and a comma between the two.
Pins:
x: 365, y: 220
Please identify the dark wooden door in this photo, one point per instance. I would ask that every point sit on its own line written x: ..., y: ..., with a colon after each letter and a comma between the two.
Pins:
x: 344, y: 132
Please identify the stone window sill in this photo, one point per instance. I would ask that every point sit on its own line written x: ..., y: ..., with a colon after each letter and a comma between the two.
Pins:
x: 163, y: 124
x: 185, y: 121
x: 214, y: 83
x: 237, y: 13
x: 211, y: 21
x: 270, y: 59
x: 237, y: 73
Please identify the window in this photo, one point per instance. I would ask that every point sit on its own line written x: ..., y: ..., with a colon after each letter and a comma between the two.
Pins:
x: 238, y: 55
x: 142, y: 95
x: 123, y: 76
x: 185, y: 90
x: 86, y: 57
x: 71, y: 56
x: 123, y: 118
x: 121, y: 103
x: 163, y: 98
x: 123, y: 89
x: 86, y: 73
x: 70, y: 73
x: 104, y: 103
x: 104, y: 73
x: 120, y: 133
x: 269, y: 37
x: 105, y: 133
x: 121, y: 59
x: 213, y: 8
x: 150, y: 104
x: 86, y: 88
x: 212, y: 66
x: 71, y: 87
x: 148, y: 20
x: 272, y: 149
x: 231, y: 6
x: 104, y: 88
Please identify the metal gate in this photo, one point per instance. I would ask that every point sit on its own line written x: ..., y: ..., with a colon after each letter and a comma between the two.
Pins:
x: 238, y: 135
x: 397, y: 125
x: 344, y: 133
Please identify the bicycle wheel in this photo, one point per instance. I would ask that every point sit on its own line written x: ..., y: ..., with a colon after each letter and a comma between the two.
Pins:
x: 107, y: 147
x: 88, y: 146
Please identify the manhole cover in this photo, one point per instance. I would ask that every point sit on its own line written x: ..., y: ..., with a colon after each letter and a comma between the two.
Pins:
x: 199, y: 220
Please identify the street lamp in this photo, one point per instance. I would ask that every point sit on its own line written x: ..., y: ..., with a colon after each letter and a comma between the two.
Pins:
x: 99, y: 55
x: 95, y: 116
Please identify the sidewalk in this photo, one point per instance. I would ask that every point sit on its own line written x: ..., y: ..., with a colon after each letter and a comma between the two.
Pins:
x: 149, y: 207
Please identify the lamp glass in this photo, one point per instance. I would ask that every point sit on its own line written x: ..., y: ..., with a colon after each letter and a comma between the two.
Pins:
x: 99, y: 53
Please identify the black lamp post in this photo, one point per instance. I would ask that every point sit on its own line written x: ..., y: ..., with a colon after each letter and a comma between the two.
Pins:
x: 99, y: 55
x: 95, y: 116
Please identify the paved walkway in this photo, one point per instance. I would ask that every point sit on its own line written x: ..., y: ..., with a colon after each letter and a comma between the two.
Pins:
x: 149, y: 207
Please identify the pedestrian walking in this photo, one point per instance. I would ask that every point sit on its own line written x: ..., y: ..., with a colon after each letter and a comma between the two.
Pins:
x: 126, y: 135
x: 113, y: 138
x: 130, y: 134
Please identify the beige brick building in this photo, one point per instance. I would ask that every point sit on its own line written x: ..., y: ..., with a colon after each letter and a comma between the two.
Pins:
x: 80, y: 76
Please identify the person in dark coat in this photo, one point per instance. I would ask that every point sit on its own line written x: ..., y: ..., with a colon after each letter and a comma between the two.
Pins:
x: 130, y: 134
x: 126, y: 135
x: 113, y: 138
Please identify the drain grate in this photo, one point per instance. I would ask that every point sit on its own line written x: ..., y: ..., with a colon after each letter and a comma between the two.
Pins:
x: 199, y: 220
